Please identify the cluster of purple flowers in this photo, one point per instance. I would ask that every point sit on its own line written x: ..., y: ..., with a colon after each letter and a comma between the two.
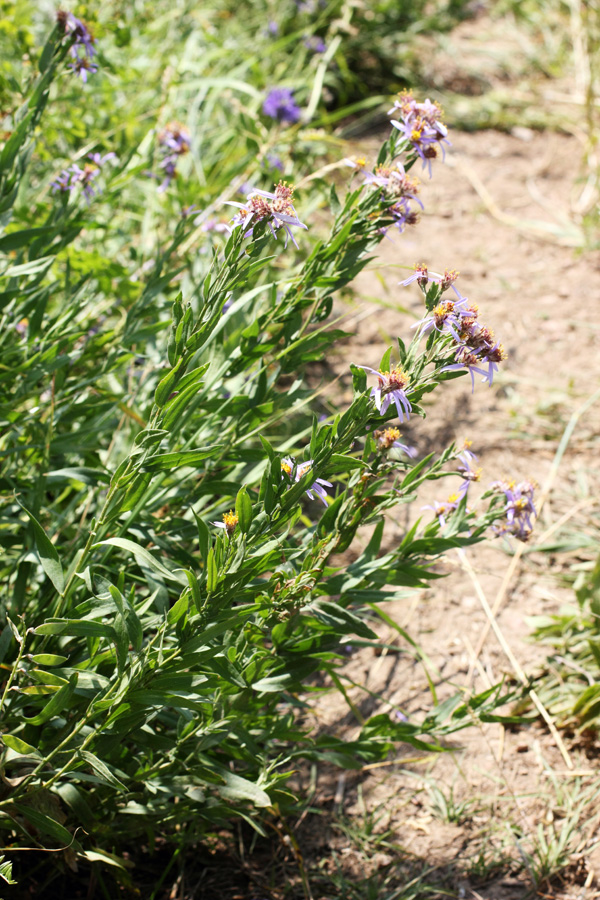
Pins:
x: 82, y: 50
x: 475, y: 344
x: 70, y: 178
x: 174, y: 141
x: 421, y: 125
x: 518, y: 510
x: 280, y: 104
x: 397, y: 188
x: 276, y: 208
x: 295, y: 471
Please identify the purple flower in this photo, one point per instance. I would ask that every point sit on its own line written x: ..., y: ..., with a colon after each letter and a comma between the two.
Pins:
x: 273, y: 28
x: 70, y: 178
x: 391, y: 386
x: 388, y: 438
x: 276, y: 208
x: 420, y: 124
x: 442, y: 510
x: 216, y: 226
x: 423, y: 277
x: 81, y: 67
x: 315, y: 44
x: 518, y: 510
x: 279, y: 104
x: 82, y: 50
x: 174, y: 141
x: 295, y: 471
x: 468, y: 473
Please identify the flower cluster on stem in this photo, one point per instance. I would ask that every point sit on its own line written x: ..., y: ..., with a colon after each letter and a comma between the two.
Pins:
x: 421, y: 125
x: 74, y: 175
x: 276, y: 208
x: 82, y: 50
x: 174, y: 141
x: 518, y: 510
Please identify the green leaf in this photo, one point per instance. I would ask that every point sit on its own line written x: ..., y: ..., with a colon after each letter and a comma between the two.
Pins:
x: 47, y: 552
x: 56, y: 705
x: 48, y: 659
x: 167, y: 384
x: 164, y: 462
x: 77, y: 628
x: 19, y: 746
x: 142, y: 556
x: 212, y: 572
x: 6, y: 871
x: 48, y: 826
x: 102, y: 769
x: 238, y: 788
x: 243, y: 510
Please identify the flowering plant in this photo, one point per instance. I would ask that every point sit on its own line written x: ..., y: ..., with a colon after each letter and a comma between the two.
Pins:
x: 170, y: 587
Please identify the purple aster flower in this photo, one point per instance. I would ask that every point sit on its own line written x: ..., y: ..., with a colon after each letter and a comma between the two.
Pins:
x: 446, y: 317
x: 471, y: 363
x: 391, y: 386
x: 70, y: 178
x: 518, y: 510
x: 468, y: 473
x: 276, y: 208
x: 423, y: 277
x: 82, y: 50
x: 174, y: 141
x: 420, y: 124
x: 62, y: 182
x: 280, y: 104
x: 216, y: 226
x: 443, y: 510
x: 295, y: 471
x: 82, y: 67
x: 388, y: 438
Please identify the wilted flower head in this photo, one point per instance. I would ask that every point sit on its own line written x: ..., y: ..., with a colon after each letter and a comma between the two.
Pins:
x: 389, y: 437
x: 391, y: 386
x: 420, y: 124
x: 229, y: 522
x: 280, y: 104
x: 276, y: 208
x: 295, y: 471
